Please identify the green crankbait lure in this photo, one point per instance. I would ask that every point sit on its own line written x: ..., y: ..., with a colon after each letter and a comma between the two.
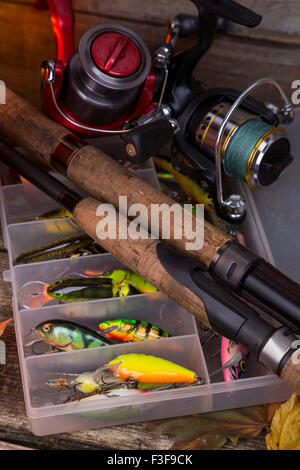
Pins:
x: 68, y: 336
x: 124, y: 280
x: 67, y: 247
x: 131, y: 330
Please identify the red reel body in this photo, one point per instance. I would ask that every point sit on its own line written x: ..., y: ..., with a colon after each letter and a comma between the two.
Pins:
x: 108, y: 81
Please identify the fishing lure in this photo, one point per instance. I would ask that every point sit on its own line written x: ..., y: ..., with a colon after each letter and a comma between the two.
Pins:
x: 126, y: 374
x: 189, y: 186
x: 149, y: 369
x: 80, y: 289
x: 131, y: 330
x: 83, y: 385
x: 228, y: 350
x: 60, y: 213
x: 68, y: 336
x: 165, y: 176
x: 3, y: 325
x: 67, y: 247
x: 124, y: 280
x: 2, y: 357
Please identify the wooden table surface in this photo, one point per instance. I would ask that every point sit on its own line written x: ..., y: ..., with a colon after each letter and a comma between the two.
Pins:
x: 15, y: 430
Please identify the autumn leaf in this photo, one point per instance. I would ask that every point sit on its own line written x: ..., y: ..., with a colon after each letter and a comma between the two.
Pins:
x: 212, y: 430
x: 3, y: 325
x: 285, y: 427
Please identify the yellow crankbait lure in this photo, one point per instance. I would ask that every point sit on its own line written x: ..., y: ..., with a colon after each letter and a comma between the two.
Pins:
x: 150, y: 369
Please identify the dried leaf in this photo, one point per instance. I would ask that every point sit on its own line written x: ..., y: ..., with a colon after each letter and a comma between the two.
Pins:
x: 3, y: 325
x: 285, y: 427
x: 212, y: 430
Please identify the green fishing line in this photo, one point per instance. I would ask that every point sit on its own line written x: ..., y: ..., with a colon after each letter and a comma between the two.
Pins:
x: 241, y: 146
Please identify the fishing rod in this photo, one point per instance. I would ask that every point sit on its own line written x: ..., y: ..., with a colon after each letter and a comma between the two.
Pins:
x: 183, y: 279
x: 239, y: 269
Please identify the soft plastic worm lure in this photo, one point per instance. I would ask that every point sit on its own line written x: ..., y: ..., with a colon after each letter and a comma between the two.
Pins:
x: 68, y: 336
x: 67, y: 247
x: 189, y: 186
x: 131, y: 330
x: 123, y: 280
x: 59, y: 213
x: 228, y: 350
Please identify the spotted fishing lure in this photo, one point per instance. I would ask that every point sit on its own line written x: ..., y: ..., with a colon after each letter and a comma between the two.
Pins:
x: 131, y: 330
x: 68, y: 336
x: 67, y: 247
x: 228, y: 350
x: 124, y: 280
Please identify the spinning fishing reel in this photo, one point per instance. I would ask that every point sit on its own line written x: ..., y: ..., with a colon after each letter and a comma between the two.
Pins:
x: 113, y: 88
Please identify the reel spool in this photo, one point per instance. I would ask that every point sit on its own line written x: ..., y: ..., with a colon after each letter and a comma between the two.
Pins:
x: 104, y: 79
x: 108, y: 81
x: 252, y: 150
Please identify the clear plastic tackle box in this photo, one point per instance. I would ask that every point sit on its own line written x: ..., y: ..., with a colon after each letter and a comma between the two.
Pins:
x: 183, y: 347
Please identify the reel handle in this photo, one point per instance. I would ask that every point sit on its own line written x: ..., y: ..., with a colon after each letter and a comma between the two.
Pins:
x: 62, y: 19
x: 229, y: 10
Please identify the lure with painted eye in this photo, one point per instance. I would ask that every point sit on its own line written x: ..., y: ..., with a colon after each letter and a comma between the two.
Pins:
x: 68, y: 336
x: 76, y: 290
x: 75, y: 245
x: 123, y: 280
x: 81, y: 386
x: 228, y: 350
x: 150, y: 369
x: 131, y: 330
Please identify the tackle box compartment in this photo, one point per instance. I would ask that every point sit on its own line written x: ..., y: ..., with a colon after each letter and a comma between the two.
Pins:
x: 183, y: 347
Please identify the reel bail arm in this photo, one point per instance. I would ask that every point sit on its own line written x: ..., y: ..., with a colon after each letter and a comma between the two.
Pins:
x: 234, y: 204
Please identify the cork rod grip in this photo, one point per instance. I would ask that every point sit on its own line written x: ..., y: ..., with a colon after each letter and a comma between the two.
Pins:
x: 104, y: 178
x: 98, y: 174
x: 291, y: 372
x: 140, y: 257
x: 25, y: 125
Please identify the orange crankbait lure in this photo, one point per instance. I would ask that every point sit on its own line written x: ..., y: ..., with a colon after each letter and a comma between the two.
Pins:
x: 150, y: 369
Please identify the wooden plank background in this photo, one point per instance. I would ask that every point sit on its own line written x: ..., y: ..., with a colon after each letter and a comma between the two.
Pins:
x: 236, y: 59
